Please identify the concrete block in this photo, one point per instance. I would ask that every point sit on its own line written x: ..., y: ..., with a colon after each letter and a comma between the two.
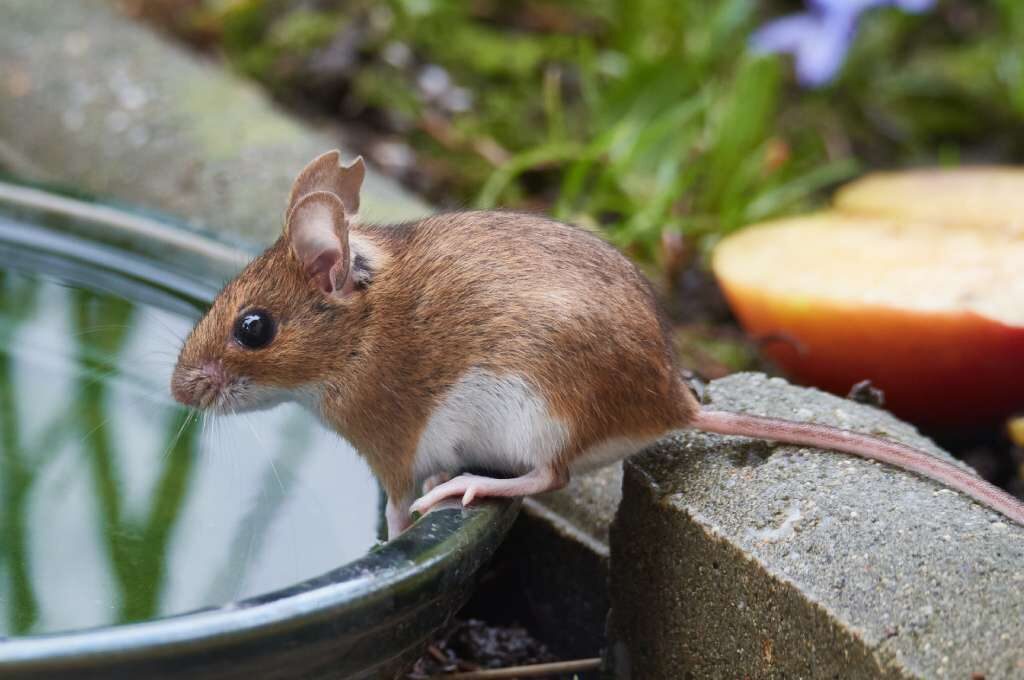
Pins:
x: 736, y: 558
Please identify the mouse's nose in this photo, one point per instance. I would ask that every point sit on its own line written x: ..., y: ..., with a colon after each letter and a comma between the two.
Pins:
x: 181, y: 387
x: 199, y: 387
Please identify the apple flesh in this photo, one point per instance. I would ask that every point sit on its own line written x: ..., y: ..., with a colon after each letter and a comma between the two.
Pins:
x: 931, y: 314
x: 984, y: 197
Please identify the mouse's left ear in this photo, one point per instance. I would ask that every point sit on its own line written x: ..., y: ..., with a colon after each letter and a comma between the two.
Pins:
x: 325, y: 173
x: 349, y: 183
x: 317, y: 232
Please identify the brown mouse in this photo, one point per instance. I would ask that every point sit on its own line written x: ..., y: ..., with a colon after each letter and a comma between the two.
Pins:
x: 472, y: 340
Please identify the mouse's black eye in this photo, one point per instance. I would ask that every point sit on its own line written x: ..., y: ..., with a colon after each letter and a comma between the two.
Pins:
x: 254, y: 329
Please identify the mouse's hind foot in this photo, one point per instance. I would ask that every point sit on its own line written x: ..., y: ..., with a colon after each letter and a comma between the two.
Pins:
x: 470, y: 487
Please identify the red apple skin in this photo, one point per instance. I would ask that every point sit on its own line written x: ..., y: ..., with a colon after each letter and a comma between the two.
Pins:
x: 947, y: 370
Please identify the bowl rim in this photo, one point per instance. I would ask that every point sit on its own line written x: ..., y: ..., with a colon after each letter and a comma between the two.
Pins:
x: 444, y: 548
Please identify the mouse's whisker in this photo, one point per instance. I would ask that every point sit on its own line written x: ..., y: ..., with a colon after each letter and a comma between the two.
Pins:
x: 99, y: 426
x: 108, y: 371
x: 156, y: 362
x: 252, y: 428
x: 277, y: 476
x: 95, y: 287
x: 206, y: 416
x: 158, y: 352
x: 174, y: 441
x: 100, y: 328
x: 138, y: 388
x: 209, y: 434
x: 162, y: 321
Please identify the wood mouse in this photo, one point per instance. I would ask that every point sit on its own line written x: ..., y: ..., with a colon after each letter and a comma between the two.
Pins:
x: 469, y: 340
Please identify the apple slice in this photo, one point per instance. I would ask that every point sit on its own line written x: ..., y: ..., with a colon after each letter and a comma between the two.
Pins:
x: 933, y: 315
x: 986, y: 197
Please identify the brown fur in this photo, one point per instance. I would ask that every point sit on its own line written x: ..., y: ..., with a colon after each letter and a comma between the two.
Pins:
x: 501, y: 292
x: 511, y: 293
x: 383, y: 336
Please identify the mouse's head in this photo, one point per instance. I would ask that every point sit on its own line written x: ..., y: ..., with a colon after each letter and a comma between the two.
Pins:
x: 283, y: 324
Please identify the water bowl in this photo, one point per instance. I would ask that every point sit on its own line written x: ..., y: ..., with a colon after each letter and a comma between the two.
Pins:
x: 140, y: 540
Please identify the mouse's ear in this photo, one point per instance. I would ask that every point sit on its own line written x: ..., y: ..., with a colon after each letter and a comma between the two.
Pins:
x: 324, y: 173
x: 349, y: 183
x: 317, y: 232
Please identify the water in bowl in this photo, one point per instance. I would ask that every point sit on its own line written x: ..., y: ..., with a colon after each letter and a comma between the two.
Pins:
x: 114, y: 505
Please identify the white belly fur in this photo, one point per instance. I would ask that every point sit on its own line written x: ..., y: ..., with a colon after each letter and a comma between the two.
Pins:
x: 498, y: 422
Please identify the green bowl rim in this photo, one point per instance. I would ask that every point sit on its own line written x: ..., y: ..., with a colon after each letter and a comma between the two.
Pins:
x: 442, y: 549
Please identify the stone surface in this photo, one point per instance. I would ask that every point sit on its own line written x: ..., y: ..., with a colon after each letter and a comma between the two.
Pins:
x: 737, y: 558
x: 583, y: 510
x: 562, y: 542
x: 560, y: 546
x: 94, y: 101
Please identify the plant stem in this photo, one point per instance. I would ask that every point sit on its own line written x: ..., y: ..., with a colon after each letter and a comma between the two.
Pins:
x: 531, y: 671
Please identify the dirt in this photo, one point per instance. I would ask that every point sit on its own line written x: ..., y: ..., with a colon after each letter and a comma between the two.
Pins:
x: 473, y: 644
x: 498, y: 628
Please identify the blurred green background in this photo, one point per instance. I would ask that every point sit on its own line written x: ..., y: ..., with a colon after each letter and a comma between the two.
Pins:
x: 648, y: 118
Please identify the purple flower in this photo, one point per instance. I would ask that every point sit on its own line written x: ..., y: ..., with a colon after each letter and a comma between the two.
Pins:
x: 819, y: 38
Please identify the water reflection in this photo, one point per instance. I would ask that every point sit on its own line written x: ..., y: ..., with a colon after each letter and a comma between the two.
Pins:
x: 116, y: 506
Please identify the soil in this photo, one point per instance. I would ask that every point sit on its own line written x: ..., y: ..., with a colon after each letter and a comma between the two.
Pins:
x: 495, y: 629
x: 472, y: 644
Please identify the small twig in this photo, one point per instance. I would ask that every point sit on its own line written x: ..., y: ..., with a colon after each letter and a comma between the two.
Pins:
x: 779, y: 337
x: 532, y: 671
x: 447, y: 136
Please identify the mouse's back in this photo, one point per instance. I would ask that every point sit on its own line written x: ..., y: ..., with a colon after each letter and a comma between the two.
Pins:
x: 465, y: 340
x: 524, y: 309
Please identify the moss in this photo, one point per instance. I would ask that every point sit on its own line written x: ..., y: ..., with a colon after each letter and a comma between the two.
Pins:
x: 305, y: 30
x: 229, y: 121
x: 714, y: 352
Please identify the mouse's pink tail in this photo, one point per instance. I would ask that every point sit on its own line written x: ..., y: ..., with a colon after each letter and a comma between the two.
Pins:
x: 865, y: 446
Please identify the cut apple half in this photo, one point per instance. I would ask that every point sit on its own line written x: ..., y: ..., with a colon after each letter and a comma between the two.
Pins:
x: 931, y: 314
x: 985, y: 197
